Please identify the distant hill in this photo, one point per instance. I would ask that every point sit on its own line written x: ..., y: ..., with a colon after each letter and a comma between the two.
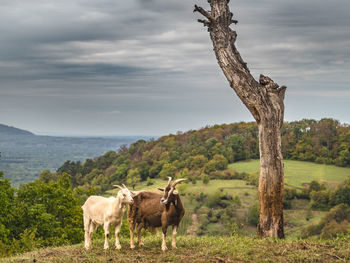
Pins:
x: 24, y: 155
x: 206, y: 152
x: 8, y: 130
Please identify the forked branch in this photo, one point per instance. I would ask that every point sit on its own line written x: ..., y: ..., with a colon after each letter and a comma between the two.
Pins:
x: 204, y: 13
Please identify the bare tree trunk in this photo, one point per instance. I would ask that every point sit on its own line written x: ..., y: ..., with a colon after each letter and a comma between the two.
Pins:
x: 264, y: 99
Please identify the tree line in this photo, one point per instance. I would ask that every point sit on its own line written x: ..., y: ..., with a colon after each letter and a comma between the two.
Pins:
x: 204, y: 153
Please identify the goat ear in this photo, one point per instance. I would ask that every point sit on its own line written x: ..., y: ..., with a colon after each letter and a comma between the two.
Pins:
x: 160, y: 189
x: 134, y: 193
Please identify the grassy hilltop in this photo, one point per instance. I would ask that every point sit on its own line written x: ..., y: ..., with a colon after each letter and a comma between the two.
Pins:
x: 199, y: 249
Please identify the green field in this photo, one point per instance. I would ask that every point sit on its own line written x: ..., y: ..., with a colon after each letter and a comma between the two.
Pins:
x: 298, y: 172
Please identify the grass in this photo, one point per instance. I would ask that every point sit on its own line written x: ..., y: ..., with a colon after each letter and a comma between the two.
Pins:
x: 298, y: 172
x: 246, y: 193
x: 199, y: 249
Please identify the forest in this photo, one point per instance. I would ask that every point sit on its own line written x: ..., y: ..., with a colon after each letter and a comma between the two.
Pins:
x: 47, y: 212
x: 208, y: 151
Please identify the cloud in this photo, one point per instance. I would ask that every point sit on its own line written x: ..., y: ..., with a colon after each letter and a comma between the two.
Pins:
x: 338, y: 94
x: 150, y: 59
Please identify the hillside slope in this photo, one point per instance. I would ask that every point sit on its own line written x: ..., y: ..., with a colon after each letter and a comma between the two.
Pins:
x: 207, y: 152
x: 8, y: 130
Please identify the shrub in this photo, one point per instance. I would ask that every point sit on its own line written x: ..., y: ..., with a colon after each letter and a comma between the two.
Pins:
x: 333, y: 228
x: 320, y: 199
x: 341, y: 195
x: 334, y: 222
x: 252, y: 179
x: 311, y: 230
x: 253, y: 215
x: 205, y: 179
x: 216, y: 198
x: 149, y: 181
x: 289, y: 193
x: 316, y: 186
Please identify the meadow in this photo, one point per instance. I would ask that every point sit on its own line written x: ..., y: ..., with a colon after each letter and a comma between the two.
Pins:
x: 299, y: 172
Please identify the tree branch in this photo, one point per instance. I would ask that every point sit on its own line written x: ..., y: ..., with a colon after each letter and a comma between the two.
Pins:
x: 204, y: 22
x: 268, y: 83
x: 281, y: 92
x: 204, y: 13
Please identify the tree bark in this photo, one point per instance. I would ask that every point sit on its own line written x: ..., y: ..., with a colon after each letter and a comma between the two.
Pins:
x: 264, y: 99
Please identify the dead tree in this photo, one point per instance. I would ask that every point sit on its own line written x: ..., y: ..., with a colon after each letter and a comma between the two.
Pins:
x: 264, y: 99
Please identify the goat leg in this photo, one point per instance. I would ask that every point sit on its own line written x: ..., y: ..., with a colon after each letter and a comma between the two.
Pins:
x: 87, y: 223
x: 106, y: 228
x: 173, y: 238
x: 139, y: 241
x: 132, y: 229
x: 117, y: 230
x: 164, y: 247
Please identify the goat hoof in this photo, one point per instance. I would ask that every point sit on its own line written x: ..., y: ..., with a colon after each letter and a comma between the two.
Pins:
x: 141, y: 244
x: 118, y: 247
x: 174, y: 247
x: 164, y: 248
x: 132, y: 247
x: 105, y: 248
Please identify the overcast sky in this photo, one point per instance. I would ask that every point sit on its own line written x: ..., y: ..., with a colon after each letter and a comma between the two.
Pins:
x: 146, y: 67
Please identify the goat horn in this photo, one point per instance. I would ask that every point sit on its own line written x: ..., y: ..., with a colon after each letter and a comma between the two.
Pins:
x: 169, y: 181
x: 177, y: 182
x: 121, y: 188
x: 124, y: 185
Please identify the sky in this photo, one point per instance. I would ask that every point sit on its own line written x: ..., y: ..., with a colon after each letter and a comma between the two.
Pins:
x: 147, y: 67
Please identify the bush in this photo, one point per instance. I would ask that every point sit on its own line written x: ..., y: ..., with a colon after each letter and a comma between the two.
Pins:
x: 311, y: 230
x: 316, y: 186
x: 219, y: 162
x: 333, y: 228
x: 253, y: 215
x: 334, y: 222
x: 320, y: 199
x: 205, y: 179
x: 216, y: 198
x: 341, y: 195
x: 149, y: 181
x: 289, y: 193
x: 252, y: 179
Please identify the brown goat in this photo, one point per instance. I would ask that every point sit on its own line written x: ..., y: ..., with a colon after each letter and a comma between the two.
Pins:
x: 151, y: 210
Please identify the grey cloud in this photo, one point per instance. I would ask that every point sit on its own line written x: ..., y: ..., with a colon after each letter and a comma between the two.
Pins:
x: 150, y: 60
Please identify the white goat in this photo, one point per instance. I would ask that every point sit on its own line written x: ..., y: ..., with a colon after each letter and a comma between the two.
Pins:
x: 99, y: 210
